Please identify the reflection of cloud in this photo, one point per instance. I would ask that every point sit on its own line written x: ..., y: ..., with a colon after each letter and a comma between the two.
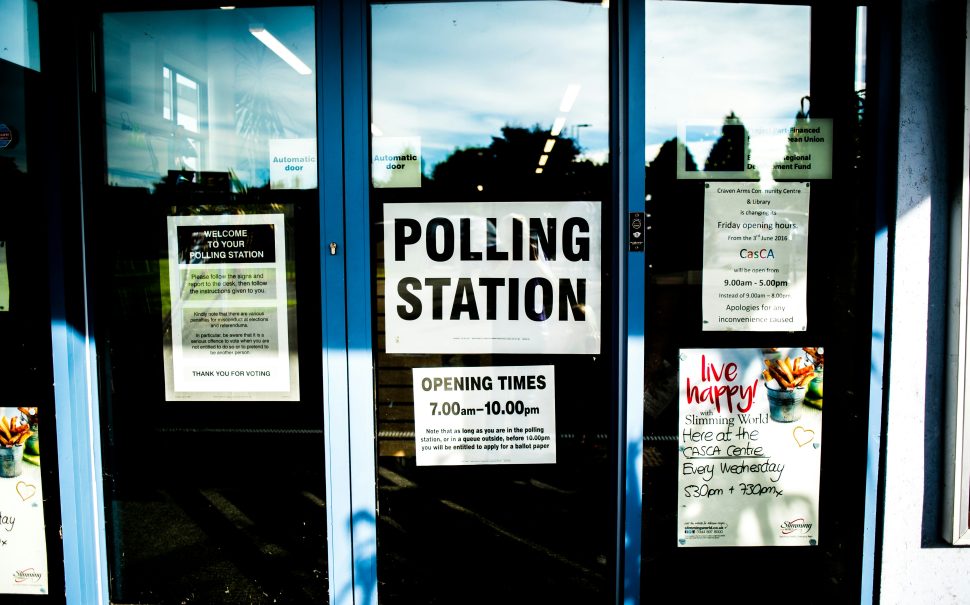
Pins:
x: 456, y: 74
x: 705, y: 60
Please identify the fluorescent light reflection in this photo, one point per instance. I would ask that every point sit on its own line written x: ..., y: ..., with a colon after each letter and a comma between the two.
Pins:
x: 557, y: 126
x: 549, y: 145
x: 569, y: 97
x: 543, y: 159
x: 281, y: 51
x: 538, y: 170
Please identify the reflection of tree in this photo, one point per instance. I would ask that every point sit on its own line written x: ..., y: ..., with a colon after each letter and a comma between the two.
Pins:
x: 857, y: 130
x: 798, y: 147
x: 257, y: 117
x: 506, y: 169
x: 729, y: 152
x: 676, y: 208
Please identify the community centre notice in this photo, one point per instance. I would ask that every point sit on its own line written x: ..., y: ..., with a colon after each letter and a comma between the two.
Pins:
x: 755, y: 257
x: 231, y: 325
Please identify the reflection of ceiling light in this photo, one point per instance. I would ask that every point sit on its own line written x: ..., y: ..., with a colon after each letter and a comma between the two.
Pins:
x: 281, y: 51
x: 480, y: 188
x: 228, y: 8
x: 538, y: 170
x: 374, y: 130
x: 569, y: 97
x: 605, y: 3
x: 549, y: 145
x: 543, y: 159
x: 557, y: 126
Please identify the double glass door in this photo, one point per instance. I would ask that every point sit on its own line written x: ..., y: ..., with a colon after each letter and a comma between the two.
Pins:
x: 489, y: 292
x: 371, y: 306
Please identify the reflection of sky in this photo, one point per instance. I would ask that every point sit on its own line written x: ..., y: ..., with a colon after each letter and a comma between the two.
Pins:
x: 704, y: 60
x: 455, y: 73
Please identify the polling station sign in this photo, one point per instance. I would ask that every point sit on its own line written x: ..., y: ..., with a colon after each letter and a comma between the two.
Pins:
x: 493, y: 277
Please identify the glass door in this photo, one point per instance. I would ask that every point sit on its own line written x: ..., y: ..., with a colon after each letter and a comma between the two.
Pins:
x: 759, y: 215
x: 208, y: 266
x: 490, y: 198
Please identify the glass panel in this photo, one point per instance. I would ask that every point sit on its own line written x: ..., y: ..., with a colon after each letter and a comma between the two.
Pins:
x: 210, y: 77
x: 20, y: 39
x: 207, y: 262
x: 491, y: 189
x: 756, y: 265
x: 31, y: 557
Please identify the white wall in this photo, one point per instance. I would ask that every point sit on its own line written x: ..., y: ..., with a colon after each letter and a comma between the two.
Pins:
x: 918, y: 566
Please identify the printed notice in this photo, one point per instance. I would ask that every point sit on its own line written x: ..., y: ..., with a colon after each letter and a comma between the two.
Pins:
x: 757, y: 149
x: 23, y: 543
x: 488, y: 415
x: 492, y: 277
x: 755, y: 257
x: 4, y: 279
x: 230, y: 321
x: 293, y: 163
x: 750, y: 436
x: 396, y: 162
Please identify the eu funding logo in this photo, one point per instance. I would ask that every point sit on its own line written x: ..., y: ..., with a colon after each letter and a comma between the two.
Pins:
x: 795, y: 526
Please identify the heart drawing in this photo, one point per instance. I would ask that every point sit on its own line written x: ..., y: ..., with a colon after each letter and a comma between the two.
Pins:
x: 803, y: 436
x: 26, y: 491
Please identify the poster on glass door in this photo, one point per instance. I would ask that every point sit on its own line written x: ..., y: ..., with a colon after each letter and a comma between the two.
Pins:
x: 23, y: 543
x: 485, y: 415
x: 755, y: 257
x: 750, y: 446
x: 492, y: 277
x: 232, y: 329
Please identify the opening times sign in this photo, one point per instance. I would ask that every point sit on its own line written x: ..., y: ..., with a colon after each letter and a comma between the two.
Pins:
x: 229, y: 312
x: 485, y: 415
x: 492, y: 277
x: 749, y: 447
x: 755, y: 257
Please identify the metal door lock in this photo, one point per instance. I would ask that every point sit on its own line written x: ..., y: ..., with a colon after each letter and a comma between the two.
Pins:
x: 333, y: 248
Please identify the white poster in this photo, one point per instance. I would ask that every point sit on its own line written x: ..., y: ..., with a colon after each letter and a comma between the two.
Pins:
x: 23, y: 542
x: 293, y: 163
x: 492, y: 277
x: 230, y: 321
x: 490, y: 415
x: 750, y: 442
x: 755, y: 257
x: 758, y: 149
x: 4, y: 278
